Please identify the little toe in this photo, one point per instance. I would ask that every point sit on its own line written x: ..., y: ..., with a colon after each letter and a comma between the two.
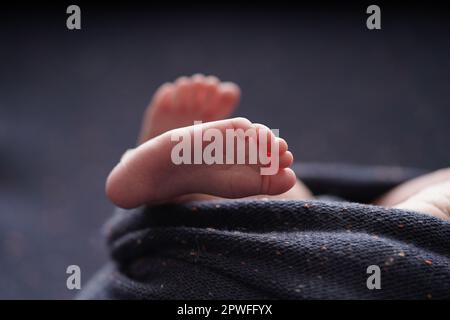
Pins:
x: 211, y: 96
x: 286, y: 159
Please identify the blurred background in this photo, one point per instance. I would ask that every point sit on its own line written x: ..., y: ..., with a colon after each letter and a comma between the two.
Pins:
x: 71, y: 102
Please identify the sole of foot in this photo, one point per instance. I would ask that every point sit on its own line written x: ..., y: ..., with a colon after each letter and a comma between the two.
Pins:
x: 147, y: 174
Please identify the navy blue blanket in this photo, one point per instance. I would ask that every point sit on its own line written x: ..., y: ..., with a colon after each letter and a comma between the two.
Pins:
x: 256, y: 249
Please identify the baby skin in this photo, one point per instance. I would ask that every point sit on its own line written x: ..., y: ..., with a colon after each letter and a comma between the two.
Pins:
x: 147, y: 174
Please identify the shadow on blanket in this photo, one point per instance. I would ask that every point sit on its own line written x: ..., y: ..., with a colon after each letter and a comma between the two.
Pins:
x: 256, y: 249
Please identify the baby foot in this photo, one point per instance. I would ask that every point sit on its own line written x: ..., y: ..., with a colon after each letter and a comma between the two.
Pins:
x: 434, y: 200
x: 428, y: 194
x: 147, y: 174
x: 179, y: 104
x: 412, y: 187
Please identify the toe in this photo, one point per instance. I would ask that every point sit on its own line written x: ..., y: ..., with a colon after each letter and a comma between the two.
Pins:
x: 161, y: 103
x: 229, y: 93
x: 211, y: 96
x: 281, y: 182
x: 227, y: 99
x: 286, y: 159
x: 282, y: 145
x: 266, y: 136
x: 212, y: 80
x: 198, y: 91
x: 165, y: 96
x: 198, y: 77
x: 182, y: 93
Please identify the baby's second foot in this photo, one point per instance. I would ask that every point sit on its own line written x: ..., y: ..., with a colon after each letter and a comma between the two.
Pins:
x: 188, y: 99
x: 429, y: 194
x: 433, y: 200
x: 148, y: 174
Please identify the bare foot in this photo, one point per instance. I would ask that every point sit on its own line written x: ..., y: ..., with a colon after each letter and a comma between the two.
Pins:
x: 188, y: 99
x: 148, y: 175
x: 412, y: 187
x: 429, y: 194
x: 434, y: 200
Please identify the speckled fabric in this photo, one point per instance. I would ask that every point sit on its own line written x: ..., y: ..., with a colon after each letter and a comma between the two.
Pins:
x: 257, y: 249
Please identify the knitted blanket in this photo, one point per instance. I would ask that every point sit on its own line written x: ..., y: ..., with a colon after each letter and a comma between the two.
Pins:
x: 279, y: 249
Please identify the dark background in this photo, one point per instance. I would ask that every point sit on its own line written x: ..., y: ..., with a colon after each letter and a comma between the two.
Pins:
x: 71, y: 103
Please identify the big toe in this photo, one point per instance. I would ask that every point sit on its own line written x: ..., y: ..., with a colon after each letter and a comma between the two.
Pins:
x: 281, y: 182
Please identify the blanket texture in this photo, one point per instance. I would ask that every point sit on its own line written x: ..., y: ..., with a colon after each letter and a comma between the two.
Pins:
x: 261, y: 249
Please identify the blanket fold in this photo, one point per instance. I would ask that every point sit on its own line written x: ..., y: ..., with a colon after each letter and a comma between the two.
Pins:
x: 278, y: 249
